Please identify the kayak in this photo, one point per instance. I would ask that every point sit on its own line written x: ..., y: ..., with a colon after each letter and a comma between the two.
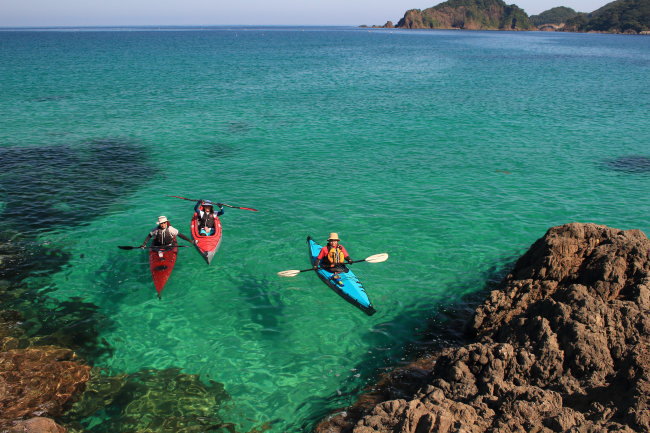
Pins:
x: 351, y: 289
x: 162, y: 263
x: 206, y: 245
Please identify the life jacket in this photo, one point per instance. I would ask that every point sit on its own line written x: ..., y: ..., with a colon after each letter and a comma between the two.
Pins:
x: 163, y: 237
x: 335, y: 255
x: 205, y: 220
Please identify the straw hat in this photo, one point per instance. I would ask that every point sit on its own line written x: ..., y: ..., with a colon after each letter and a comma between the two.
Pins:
x: 162, y: 219
x: 334, y: 237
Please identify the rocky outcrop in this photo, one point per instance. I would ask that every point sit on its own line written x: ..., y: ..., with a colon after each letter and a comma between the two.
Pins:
x: 468, y: 15
x: 562, y: 346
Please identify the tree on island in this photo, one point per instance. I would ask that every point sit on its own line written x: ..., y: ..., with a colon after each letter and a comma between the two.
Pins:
x: 622, y: 16
x: 558, y: 15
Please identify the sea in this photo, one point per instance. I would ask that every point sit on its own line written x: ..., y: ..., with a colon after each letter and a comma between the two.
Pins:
x: 452, y: 151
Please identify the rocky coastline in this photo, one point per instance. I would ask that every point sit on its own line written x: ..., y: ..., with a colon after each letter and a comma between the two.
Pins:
x: 619, y: 16
x: 561, y: 346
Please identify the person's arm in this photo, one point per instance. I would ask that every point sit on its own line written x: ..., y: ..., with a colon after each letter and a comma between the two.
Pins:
x: 146, y: 240
x: 323, y: 253
x: 220, y: 210
x: 198, y: 205
x: 182, y: 236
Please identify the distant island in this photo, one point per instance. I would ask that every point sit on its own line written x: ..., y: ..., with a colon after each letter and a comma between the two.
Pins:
x: 621, y: 16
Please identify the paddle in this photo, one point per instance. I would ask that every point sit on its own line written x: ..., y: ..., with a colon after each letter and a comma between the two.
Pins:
x: 377, y: 258
x: 128, y: 247
x: 218, y: 204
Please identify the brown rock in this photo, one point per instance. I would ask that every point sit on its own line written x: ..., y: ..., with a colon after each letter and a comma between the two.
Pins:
x: 38, y: 381
x: 37, y: 425
x: 562, y: 346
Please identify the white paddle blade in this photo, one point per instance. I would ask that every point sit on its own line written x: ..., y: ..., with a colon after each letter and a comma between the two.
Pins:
x: 377, y: 258
x: 291, y: 273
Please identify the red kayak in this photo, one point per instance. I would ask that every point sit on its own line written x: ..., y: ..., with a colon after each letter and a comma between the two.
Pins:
x: 206, y: 245
x: 162, y: 263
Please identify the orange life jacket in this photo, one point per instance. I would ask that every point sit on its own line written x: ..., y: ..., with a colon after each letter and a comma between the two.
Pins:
x: 335, y: 255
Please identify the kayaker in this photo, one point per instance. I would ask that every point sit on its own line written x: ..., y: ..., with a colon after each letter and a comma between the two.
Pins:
x: 332, y: 256
x: 163, y: 234
x: 205, y: 216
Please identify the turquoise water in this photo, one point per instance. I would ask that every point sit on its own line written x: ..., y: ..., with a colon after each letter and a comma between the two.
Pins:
x: 452, y: 151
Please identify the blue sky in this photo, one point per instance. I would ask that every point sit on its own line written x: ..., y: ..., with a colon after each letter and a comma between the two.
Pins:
x: 222, y: 12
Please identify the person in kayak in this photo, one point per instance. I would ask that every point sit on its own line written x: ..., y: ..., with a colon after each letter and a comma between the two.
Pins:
x: 164, y: 235
x: 205, y: 217
x: 332, y: 256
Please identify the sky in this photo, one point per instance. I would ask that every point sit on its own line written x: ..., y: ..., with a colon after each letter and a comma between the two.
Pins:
x: 36, y: 13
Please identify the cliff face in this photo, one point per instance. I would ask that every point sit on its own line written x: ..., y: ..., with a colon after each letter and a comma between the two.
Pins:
x: 469, y: 15
x: 562, y: 346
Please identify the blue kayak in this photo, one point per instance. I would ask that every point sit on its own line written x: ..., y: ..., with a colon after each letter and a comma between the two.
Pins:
x: 351, y: 290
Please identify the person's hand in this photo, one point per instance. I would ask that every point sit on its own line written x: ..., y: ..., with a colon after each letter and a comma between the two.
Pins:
x: 143, y: 246
x: 195, y: 242
x: 349, y: 260
x: 315, y: 267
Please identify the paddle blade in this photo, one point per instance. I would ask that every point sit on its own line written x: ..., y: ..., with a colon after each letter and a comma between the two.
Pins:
x: 291, y: 273
x: 377, y: 258
x: 126, y: 247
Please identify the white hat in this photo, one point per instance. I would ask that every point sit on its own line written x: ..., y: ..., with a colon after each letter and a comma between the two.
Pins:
x: 162, y: 219
x: 334, y: 237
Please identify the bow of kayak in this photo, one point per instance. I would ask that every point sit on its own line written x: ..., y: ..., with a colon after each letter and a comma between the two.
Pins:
x: 161, y: 263
x: 207, y: 246
x: 349, y: 288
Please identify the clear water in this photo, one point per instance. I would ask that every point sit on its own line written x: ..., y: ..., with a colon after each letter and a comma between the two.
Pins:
x: 452, y: 151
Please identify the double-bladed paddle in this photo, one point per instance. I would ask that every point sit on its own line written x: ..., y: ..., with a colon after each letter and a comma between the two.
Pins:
x: 128, y: 247
x: 376, y: 258
x: 218, y: 204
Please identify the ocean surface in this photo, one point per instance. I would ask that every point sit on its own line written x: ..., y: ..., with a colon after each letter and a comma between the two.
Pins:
x: 451, y: 151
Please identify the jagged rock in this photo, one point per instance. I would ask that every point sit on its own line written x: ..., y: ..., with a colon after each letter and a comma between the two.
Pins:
x: 562, y: 346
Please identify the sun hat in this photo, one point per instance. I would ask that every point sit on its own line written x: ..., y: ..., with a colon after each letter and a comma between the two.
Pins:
x: 334, y: 237
x: 162, y: 219
x: 207, y: 203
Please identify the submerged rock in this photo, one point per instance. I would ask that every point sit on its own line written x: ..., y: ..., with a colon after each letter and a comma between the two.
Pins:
x: 629, y: 164
x: 103, y: 170
x: 38, y: 381
x: 562, y: 345
x: 153, y: 401
x: 36, y: 425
